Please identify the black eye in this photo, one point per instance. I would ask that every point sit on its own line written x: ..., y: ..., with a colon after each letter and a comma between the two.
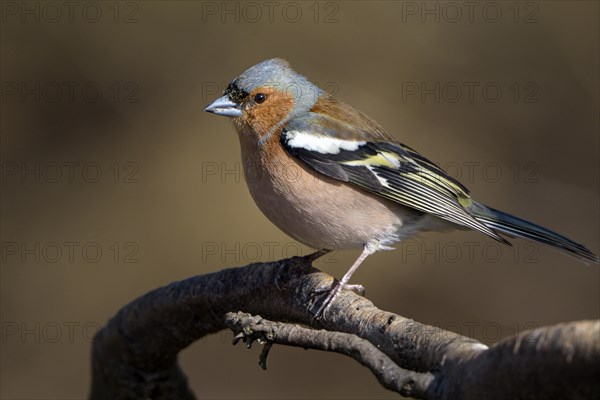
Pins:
x: 260, y: 97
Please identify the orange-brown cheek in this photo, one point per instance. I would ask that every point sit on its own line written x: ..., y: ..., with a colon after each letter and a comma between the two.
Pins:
x: 263, y: 117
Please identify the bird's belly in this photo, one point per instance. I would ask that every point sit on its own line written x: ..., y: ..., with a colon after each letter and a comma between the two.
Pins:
x: 323, y: 213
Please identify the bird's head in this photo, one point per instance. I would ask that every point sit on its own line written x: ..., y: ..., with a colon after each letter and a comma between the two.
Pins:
x: 266, y: 96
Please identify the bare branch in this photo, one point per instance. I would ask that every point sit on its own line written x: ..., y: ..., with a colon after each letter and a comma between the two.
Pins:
x: 390, y: 375
x: 135, y: 354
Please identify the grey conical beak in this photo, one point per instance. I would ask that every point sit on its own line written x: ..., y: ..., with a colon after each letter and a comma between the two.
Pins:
x: 225, y: 107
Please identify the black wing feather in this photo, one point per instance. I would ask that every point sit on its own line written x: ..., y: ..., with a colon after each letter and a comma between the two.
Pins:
x: 412, y: 180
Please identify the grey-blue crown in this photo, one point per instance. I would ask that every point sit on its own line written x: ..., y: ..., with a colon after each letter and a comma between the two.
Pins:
x: 277, y: 73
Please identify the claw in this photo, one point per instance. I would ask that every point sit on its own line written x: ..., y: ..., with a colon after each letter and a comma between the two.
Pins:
x: 356, y: 288
x: 332, y: 292
x: 323, y: 289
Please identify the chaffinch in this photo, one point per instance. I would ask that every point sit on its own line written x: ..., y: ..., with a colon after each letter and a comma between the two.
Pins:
x: 332, y: 178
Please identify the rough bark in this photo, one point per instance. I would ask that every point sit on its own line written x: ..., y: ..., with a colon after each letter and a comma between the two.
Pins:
x: 135, y: 354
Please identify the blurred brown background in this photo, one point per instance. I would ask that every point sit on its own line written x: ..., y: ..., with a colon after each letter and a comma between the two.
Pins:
x: 114, y: 181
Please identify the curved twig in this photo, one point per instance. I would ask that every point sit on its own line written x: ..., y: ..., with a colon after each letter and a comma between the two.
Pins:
x: 135, y: 354
x: 389, y: 374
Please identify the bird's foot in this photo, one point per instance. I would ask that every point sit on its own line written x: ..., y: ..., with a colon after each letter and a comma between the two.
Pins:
x: 356, y: 288
x: 332, y: 292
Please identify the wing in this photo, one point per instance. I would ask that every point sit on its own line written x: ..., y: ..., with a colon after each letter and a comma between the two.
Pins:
x: 386, y: 168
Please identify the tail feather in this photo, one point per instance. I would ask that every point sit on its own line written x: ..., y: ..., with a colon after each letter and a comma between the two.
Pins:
x: 517, y: 227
